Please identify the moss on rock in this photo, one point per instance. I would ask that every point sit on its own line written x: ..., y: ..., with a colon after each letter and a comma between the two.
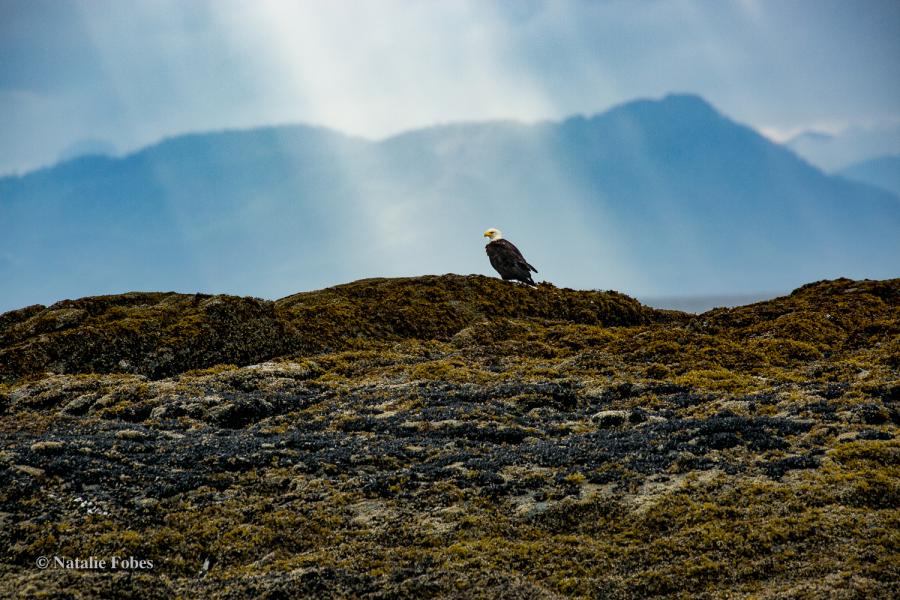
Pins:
x: 453, y: 437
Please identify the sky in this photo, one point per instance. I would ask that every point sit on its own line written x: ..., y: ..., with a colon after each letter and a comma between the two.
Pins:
x: 115, y: 75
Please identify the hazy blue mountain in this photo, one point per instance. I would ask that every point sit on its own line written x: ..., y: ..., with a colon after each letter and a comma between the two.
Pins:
x: 883, y: 172
x: 834, y: 151
x: 656, y: 198
x: 87, y: 147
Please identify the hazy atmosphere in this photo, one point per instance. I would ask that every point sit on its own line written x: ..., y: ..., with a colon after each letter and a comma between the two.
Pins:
x: 474, y: 299
x: 129, y: 73
x: 111, y: 78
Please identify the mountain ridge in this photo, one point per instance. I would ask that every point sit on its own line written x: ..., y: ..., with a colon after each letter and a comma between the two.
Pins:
x: 673, y: 100
x: 882, y: 172
x: 666, y: 197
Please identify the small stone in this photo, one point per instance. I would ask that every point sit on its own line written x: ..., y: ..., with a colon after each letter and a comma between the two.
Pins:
x: 652, y: 420
x: 29, y: 470
x: 79, y: 405
x: 610, y: 418
x: 50, y: 447
x: 146, y: 503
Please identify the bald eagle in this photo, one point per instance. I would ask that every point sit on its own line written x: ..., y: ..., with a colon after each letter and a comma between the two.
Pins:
x: 507, y: 259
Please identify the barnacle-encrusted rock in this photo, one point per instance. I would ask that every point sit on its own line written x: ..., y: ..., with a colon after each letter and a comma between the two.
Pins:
x: 163, y: 334
x: 452, y: 436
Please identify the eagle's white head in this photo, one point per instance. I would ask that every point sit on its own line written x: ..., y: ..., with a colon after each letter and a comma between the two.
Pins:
x: 493, y: 234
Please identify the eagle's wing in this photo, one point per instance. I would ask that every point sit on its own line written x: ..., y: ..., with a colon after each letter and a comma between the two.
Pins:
x: 518, y: 255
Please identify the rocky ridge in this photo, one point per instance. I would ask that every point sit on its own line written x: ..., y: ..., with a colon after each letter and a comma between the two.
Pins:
x: 456, y: 437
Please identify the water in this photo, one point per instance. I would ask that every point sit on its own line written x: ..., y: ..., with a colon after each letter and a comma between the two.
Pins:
x: 699, y: 304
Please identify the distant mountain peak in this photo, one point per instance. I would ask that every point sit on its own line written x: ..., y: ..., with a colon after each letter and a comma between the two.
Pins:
x: 882, y: 172
x: 87, y: 147
x: 809, y: 136
x: 687, y: 105
x: 687, y: 100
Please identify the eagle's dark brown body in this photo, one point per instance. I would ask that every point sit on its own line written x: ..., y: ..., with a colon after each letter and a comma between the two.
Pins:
x: 509, y: 262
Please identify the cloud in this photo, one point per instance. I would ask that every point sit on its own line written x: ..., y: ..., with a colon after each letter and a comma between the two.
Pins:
x: 133, y: 72
x: 844, y: 146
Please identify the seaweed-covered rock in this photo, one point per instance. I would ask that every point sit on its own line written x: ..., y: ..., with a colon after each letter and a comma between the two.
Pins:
x: 451, y: 436
x: 152, y: 334
x: 162, y: 334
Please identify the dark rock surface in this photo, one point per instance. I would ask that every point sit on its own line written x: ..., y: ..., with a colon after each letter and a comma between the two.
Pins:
x: 453, y: 437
